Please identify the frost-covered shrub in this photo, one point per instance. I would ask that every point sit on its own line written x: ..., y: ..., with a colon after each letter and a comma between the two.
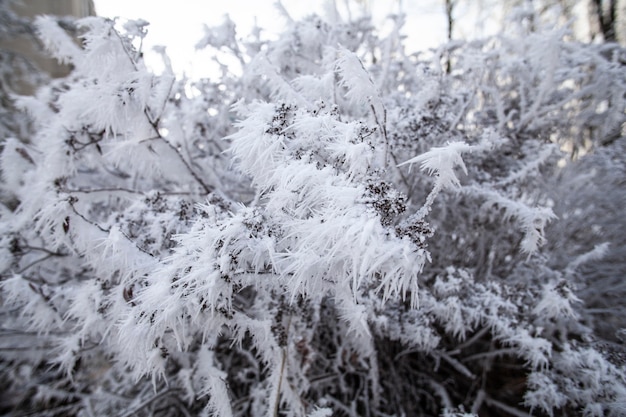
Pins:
x: 344, y: 230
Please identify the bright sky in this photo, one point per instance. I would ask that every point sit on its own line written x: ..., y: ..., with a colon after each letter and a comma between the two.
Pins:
x: 178, y: 25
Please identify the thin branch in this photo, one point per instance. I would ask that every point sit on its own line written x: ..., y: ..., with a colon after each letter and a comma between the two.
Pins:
x: 511, y: 410
x: 442, y: 393
x: 46, y: 298
x: 60, y: 410
x: 490, y: 354
x: 478, y: 401
x: 35, y: 262
x: 338, y: 404
x: 457, y: 365
x: 282, y: 370
x: 102, y: 190
x: 121, y: 190
x: 169, y: 90
x: 105, y: 230
x: 148, y: 401
x: 126, y: 51
x: 280, y: 380
x: 471, y: 340
x: 154, y: 124
x: 388, y: 152
x: 82, y: 216
x: 382, y: 128
x: 42, y: 249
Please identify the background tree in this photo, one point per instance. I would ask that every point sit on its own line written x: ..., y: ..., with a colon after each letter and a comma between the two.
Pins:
x: 606, y: 13
x: 593, y: 19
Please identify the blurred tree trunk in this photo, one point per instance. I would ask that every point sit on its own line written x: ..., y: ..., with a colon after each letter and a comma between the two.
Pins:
x: 606, y: 14
x: 450, y: 19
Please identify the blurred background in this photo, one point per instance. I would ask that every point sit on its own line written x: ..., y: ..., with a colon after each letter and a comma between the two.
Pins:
x: 178, y: 26
x: 428, y: 23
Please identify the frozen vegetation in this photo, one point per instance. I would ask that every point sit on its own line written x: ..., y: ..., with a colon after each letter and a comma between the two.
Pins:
x: 338, y: 227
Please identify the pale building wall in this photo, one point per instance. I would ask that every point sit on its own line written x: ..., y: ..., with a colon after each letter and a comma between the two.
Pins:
x: 621, y: 22
x: 30, y: 48
x: 74, y: 8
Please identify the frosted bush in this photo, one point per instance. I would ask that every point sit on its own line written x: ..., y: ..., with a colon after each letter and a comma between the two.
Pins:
x: 265, y: 247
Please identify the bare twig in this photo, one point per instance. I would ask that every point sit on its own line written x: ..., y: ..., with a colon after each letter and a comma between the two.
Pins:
x: 511, y: 410
x: 106, y: 230
x: 146, y: 402
x: 154, y: 122
x: 490, y: 354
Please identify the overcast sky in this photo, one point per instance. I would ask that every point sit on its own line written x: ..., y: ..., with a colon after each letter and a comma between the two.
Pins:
x: 178, y: 24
